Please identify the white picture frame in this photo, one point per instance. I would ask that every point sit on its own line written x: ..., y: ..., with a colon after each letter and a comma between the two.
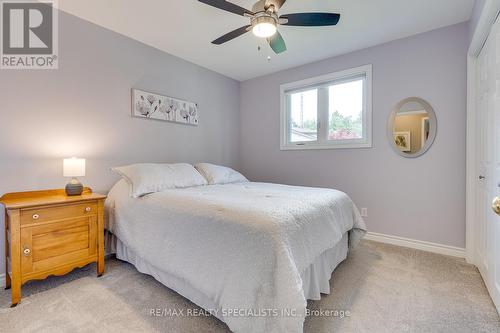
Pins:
x: 402, y: 140
x: 155, y: 106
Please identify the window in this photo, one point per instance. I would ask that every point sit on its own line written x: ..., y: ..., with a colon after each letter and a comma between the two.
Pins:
x: 327, y: 112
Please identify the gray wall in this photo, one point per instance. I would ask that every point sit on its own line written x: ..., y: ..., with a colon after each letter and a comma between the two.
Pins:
x: 421, y: 198
x: 84, y: 109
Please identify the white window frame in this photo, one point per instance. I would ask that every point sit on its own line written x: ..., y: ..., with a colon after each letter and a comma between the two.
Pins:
x: 322, y: 83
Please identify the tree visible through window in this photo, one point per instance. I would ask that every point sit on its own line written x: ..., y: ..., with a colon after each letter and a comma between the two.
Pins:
x: 345, y: 111
x: 330, y: 111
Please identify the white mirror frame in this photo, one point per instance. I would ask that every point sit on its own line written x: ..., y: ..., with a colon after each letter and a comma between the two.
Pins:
x: 432, y: 121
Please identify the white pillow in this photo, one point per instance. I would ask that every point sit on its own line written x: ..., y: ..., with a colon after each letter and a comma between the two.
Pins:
x: 144, y: 178
x: 216, y: 174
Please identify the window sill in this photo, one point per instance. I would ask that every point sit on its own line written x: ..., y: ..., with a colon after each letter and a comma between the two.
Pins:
x: 326, y: 146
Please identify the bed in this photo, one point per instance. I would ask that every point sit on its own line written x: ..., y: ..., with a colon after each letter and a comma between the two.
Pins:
x: 249, y: 253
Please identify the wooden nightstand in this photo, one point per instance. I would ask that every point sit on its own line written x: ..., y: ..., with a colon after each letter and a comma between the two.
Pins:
x: 49, y: 233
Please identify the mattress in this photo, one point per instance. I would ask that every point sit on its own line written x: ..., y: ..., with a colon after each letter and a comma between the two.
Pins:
x: 244, y: 247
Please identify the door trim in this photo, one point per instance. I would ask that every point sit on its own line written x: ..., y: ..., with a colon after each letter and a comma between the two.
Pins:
x: 488, y: 16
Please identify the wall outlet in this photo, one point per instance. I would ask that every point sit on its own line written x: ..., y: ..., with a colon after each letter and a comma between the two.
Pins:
x: 364, y: 212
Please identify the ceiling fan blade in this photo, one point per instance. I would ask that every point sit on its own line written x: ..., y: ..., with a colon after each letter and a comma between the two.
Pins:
x: 276, y: 3
x: 227, y: 6
x: 311, y: 19
x: 277, y: 43
x: 232, y: 35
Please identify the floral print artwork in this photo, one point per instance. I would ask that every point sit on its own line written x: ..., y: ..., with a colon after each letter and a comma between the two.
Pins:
x: 153, y: 106
x: 402, y: 141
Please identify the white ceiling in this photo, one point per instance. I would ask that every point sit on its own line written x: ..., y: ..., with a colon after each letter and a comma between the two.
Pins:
x: 185, y: 29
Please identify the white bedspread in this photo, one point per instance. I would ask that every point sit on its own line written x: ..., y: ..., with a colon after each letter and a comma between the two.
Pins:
x: 242, y: 245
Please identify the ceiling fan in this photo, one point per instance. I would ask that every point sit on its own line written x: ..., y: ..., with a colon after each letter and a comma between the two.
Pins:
x: 264, y: 21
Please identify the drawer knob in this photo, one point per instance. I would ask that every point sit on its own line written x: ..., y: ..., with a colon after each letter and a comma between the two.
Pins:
x: 35, y: 216
x: 88, y: 209
x: 26, y: 251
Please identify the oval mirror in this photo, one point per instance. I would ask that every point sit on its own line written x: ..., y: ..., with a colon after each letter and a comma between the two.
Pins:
x: 412, y: 127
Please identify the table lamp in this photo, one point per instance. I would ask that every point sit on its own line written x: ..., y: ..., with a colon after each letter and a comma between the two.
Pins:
x: 74, y: 167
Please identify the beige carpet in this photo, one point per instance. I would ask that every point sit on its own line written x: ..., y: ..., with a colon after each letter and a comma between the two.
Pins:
x: 385, y: 289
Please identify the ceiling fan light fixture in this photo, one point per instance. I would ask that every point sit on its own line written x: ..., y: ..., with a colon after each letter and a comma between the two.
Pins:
x: 264, y: 30
x: 264, y: 26
x: 265, y: 20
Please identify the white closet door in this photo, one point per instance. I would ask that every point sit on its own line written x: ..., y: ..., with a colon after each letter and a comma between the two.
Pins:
x: 488, y: 162
x: 494, y: 185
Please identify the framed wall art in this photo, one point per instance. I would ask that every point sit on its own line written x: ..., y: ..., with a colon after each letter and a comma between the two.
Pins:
x: 159, y: 107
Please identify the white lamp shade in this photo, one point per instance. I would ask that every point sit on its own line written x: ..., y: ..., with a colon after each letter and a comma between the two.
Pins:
x: 74, y: 167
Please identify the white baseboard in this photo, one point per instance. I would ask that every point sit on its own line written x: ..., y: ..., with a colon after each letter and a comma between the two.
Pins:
x: 2, y: 280
x: 417, y: 244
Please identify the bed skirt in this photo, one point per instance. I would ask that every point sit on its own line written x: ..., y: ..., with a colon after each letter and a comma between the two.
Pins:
x: 315, y: 278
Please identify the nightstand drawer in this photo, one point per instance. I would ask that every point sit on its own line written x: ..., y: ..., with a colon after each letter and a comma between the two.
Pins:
x: 49, y: 214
